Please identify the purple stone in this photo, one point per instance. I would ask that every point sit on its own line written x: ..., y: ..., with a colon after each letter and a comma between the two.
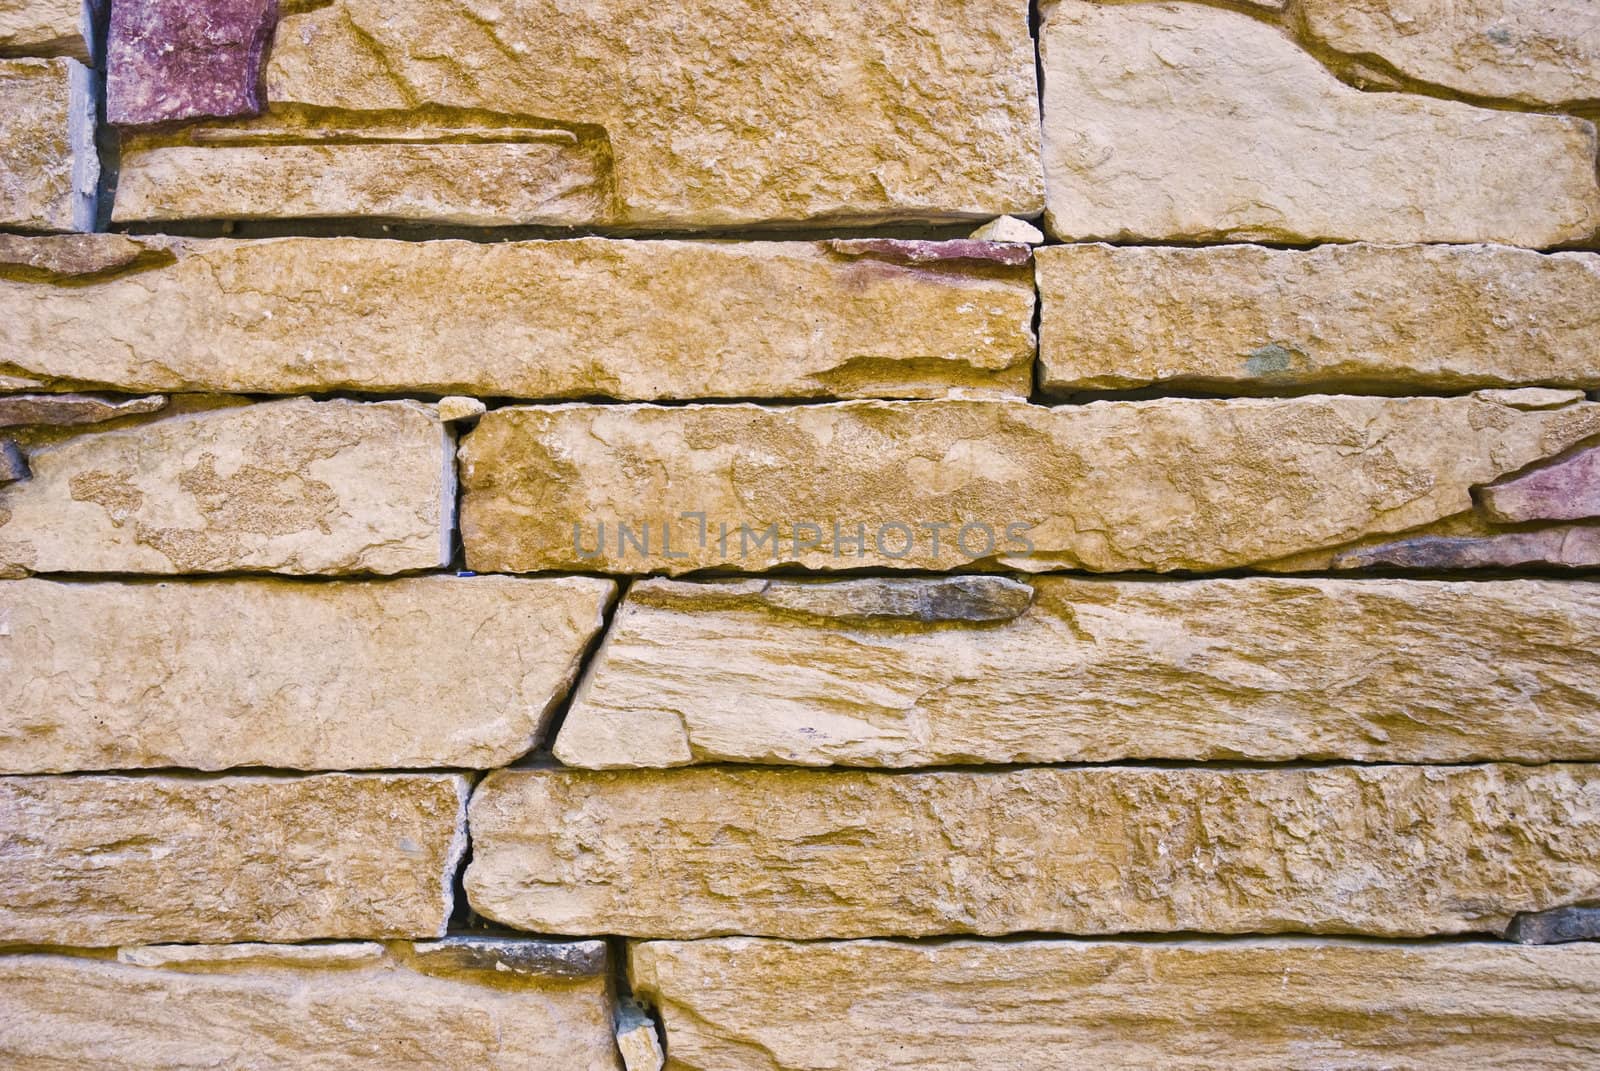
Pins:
x: 1571, y: 546
x: 174, y: 60
x: 1567, y: 490
x: 922, y: 251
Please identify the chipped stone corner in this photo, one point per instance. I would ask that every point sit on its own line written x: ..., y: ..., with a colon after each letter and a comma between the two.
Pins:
x: 639, y: 1037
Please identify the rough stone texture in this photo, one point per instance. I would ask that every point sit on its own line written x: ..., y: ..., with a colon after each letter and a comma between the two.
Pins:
x: 98, y: 861
x: 710, y: 114
x: 1189, y: 122
x: 342, y: 1007
x: 455, y: 408
x: 13, y: 465
x: 422, y: 672
x: 1566, y: 490
x: 637, y: 1039
x: 292, y: 486
x: 71, y: 410
x: 1248, y: 319
x: 1544, y: 53
x: 180, y: 60
x: 1095, y: 671
x: 1009, y: 229
x: 558, y: 319
x: 45, y: 28
x: 1177, y: 484
x: 71, y: 257
x: 1562, y: 546
x: 1398, y: 851
x: 1191, y: 1005
x: 1556, y: 926
x: 48, y: 165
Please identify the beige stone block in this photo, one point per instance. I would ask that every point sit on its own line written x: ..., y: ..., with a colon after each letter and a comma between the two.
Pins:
x: 292, y: 486
x: 621, y: 113
x: 49, y: 168
x: 780, y: 671
x: 103, y: 860
x: 1173, y: 484
x: 419, y: 672
x: 335, y: 1007
x: 45, y: 28
x: 1187, y: 122
x: 1248, y: 320
x: 1258, y: 1004
x: 1540, y: 53
x: 1394, y: 851
x: 541, y: 319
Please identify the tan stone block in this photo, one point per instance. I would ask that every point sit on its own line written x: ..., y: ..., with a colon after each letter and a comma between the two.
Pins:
x: 1092, y: 671
x: 49, y: 167
x: 1174, y: 484
x: 1395, y: 851
x: 45, y: 28
x: 104, y: 860
x: 542, y: 319
x: 1542, y: 53
x: 1183, y: 121
x: 292, y: 486
x: 1247, y: 319
x: 338, y: 1007
x: 619, y: 112
x: 420, y: 672
x: 1258, y: 1004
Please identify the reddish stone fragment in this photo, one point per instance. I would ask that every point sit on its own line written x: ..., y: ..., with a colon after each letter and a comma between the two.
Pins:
x: 1571, y: 546
x: 1568, y: 490
x: 170, y: 60
x: 920, y: 251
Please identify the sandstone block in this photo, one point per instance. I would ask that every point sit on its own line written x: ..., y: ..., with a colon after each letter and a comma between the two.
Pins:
x: 1535, y: 52
x: 1565, y: 490
x: 291, y: 486
x: 105, y: 860
x: 179, y: 60
x: 1258, y: 1004
x: 564, y: 319
x: 420, y: 672
x: 338, y: 1007
x: 1175, y: 484
x: 1248, y: 319
x: 709, y: 113
x: 71, y: 410
x: 1092, y: 671
x: 1397, y: 851
x: 49, y: 168
x: 46, y: 28
x: 1189, y: 122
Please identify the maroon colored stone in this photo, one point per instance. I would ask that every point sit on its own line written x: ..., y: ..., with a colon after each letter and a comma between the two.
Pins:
x: 921, y: 251
x: 1567, y: 490
x: 1571, y: 546
x: 172, y: 60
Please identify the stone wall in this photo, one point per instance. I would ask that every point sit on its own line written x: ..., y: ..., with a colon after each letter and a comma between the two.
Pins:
x: 795, y: 536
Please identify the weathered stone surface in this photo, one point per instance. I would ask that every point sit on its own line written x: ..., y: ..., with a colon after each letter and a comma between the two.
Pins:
x: 71, y: 410
x: 1095, y: 671
x: 1259, y: 1004
x: 1556, y: 926
x: 1563, y: 546
x: 1565, y: 490
x: 1248, y: 319
x: 172, y: 60
x: 1009, y: 229
x: 1175, y: 484
x: 45, y: 28
x: 72, y: 257
x: 557, y: 319
x: 421, y: 672
x: 1544, y: 53
x: 637, y: 1039
x: 293, y: 486
x: 13, y: 466
x: 341, y: 1007
x: 617, y: 112
x: 98, y: 861
x: 1385, y: 850
x: 1190, y: 122
x: 455, y: 408
x: 48, y: 165
x: 914, y: 251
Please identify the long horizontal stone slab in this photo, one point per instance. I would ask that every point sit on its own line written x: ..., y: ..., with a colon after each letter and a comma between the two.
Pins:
x: 293, y: 486
x: 49, y: 168
x: 710, y: 114
x: 1188, y: 122
x: 97, y: 861
x: 919, y: 672
x: 1541, y: 53
x: 339, y: 1007
x: 1175, y: 484
x: 1248, y: 319
x: 47, y: 28
x: 421, y: 672
x: 1396, y: 851
x: 578, y: 318
x: 1251, y: 1005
